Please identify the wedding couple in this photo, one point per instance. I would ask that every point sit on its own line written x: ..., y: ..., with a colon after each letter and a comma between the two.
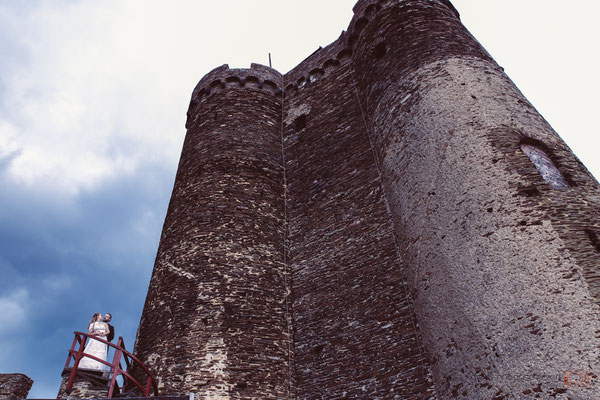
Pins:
x: 100, y: 327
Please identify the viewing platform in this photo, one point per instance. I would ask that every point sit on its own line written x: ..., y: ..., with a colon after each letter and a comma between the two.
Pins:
x: 103, y: 383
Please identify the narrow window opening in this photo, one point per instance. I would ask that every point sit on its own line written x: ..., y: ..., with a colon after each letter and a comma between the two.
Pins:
x: 380, y: 50
x: 545, y: 166
x: 300, y: 123
x: 593, y: 239
x: 360, y: 24
x: 528, y: 191
x: 318, y: 349
x: 291, y: 90
x: 352, y: 39
x: 371, y: 10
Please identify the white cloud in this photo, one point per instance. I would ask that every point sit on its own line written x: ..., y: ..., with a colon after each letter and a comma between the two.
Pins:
x: 9, y: 147
x: 82, y: 109
x: 13, y: 309
x: 98, y: 89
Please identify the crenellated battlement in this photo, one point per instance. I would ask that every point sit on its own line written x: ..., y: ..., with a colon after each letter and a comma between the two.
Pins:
x: 324, y: 60
x: 222, y: 78
x: 316, y: 66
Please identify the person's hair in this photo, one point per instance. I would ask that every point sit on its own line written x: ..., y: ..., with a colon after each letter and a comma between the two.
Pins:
x: 109, y: 314
x: 94, y: 317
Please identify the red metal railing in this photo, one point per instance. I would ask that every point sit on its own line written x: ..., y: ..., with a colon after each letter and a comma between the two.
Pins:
x: 114, y: 368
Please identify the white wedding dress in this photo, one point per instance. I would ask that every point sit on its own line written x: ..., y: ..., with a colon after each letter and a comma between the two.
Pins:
x: 96, y: 349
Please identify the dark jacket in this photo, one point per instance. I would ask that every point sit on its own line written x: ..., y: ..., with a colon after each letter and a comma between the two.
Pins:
x: 111, y: 333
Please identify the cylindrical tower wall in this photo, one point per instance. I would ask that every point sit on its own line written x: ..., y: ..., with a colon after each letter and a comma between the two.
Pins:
x: 500, y: 241
x: 215, y: 318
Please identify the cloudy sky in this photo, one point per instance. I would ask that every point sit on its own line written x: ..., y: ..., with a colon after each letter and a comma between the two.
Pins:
x: 93, y: 98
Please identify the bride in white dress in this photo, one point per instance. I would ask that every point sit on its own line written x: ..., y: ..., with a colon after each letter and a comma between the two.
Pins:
x: 94, y: 347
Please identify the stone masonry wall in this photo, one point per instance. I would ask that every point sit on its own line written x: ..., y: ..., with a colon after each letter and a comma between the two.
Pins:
x: 355, y: 333
x: 14, y: 386
x: 88, y: 384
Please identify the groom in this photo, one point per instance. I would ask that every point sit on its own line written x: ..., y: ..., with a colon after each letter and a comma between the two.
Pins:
x: 111, y: 329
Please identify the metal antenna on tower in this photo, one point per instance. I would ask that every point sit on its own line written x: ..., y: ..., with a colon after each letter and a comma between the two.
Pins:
x: 270, y: 66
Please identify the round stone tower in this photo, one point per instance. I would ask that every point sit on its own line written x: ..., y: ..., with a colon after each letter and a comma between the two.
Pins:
x: 496, y: 220
x: 215, y: 320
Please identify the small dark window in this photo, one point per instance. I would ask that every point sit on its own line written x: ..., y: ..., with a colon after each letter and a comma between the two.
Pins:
x: 593, y: 239
x: 352, y: 39
x: 360, y: 24
x: 300, y: 123
x: 291, y: 89
x: 545, y: 166
x: 380, y: 50
x: 318, y: 349
x: 372, y: 9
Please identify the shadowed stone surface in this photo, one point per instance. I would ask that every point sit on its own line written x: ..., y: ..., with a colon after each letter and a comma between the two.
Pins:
x: 352, y: 315
x: 14, y: 386
x: 88, y: 384
x: 391, y: 219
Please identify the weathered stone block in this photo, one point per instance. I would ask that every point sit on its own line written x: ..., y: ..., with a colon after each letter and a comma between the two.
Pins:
x: 14, y: 386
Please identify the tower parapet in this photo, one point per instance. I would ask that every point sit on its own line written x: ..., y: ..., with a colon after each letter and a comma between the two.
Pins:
x: 223, y: 78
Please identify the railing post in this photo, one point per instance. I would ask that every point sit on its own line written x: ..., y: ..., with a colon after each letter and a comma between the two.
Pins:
x: 71, y: 351
x: 124, y: 375
x: 115, y: 368
x: 148, y: 386
x: 78, y: 357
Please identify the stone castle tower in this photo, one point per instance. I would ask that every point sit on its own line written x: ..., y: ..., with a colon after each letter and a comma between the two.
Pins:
x: 391, y: 219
